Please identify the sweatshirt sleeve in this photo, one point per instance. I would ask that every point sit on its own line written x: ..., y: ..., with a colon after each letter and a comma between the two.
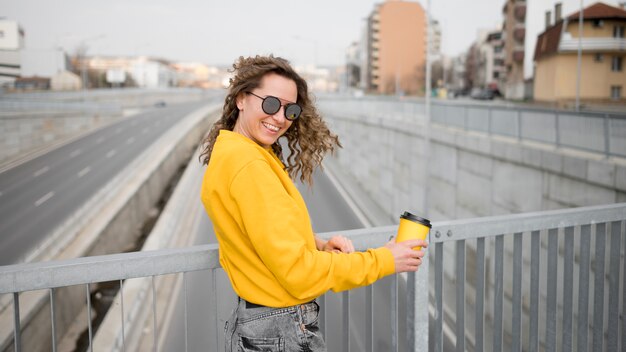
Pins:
x: 278, y: 230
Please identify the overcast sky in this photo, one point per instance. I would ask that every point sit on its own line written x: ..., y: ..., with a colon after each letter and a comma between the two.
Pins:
x: 217, y: 32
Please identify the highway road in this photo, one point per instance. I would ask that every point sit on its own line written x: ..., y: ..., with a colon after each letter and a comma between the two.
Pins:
x: 38, y: 195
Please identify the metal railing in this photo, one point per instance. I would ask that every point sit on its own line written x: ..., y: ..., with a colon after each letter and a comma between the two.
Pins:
x: 599, y: 132
x: 471, y: 256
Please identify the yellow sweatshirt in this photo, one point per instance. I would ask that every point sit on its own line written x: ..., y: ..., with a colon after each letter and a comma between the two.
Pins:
x: 267, y: 245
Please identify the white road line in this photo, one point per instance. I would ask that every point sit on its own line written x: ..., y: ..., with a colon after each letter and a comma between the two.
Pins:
x: 75, y: 153
x: 130, y: 140
x: 84, y: 171
x: 111, y: 153
x: 99, y: 140
x: 41, y: 200
x: 41, y: 171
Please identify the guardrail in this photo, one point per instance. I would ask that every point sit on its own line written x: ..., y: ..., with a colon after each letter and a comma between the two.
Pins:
x: 599, y: 132
x: 477, y: 276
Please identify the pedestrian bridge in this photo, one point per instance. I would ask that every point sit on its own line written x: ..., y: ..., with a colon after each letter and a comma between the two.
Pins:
x: 561, y: 287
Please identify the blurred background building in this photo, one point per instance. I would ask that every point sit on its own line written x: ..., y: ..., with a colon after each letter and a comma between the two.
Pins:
x: 395, y: 54
x: 11, y: 42
x: 602, y: 72
x: 514, y: 35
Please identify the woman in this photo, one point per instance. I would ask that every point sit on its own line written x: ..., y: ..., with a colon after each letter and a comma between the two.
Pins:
x: 274, y: 261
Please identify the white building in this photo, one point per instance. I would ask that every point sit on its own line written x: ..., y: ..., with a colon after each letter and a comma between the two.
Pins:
x: 11, y: 42
x: 43, y: 62
x: 152, y: 74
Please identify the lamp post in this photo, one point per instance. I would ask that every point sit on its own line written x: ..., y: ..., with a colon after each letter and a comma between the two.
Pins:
x: 580, y: 47
x: 82, y: 49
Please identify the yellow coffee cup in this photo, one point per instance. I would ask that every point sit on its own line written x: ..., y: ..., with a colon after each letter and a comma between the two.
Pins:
x: 412, y: 227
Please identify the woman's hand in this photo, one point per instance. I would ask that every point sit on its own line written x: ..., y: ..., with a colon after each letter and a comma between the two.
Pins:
x: 338, y: 244
x: 405, y: 258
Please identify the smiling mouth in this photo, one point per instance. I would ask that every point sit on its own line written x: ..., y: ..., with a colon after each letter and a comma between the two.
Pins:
x: 271, y: 127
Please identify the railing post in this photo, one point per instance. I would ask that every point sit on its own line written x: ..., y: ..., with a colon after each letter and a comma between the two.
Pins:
x: 438, y: 335
x: 551, y: 288
x: 614, y: 259
x: 607, y: 136
x: 557, y: 131
x: 535, y: 244
x: 519, y: 125
x: 460, y: 295
x: 17, y: 330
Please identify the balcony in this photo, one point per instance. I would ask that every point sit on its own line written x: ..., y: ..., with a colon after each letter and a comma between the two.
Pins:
x: 467, y: 263
x: 520, y: 12
x: 519, y: 34
x: 569, y: 44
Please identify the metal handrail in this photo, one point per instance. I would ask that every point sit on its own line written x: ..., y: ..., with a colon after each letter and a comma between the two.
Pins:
x: 459, y: 233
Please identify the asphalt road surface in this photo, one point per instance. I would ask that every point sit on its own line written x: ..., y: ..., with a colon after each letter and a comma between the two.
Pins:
x: 37, y: 196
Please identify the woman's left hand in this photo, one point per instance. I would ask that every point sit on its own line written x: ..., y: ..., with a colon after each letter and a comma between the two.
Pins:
x: 339, y: 244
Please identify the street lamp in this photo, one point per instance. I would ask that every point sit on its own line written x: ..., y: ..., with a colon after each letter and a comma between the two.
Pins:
x: 83, y: 53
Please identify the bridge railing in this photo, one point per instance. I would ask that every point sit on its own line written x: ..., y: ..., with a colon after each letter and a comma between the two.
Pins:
x: 549, y: 292
x: 598, y: 132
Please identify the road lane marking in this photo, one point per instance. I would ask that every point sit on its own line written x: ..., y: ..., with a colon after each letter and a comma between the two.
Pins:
x: 75, y: 153
x: 41, y: 171
x: 111, y: 153
x: 84, y: 171
x: 130, y: 140
x: 100, y: 140
x: 41, y: 200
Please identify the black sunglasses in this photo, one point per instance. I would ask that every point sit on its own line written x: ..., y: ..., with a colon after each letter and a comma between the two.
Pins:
x: 271, y: 105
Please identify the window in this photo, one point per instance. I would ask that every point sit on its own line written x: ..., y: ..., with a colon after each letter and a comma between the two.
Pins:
x: 616, y: 92
x: 598, y: 23
x: 616, y: 64
x: 598, y: 57
x: 618, y: 32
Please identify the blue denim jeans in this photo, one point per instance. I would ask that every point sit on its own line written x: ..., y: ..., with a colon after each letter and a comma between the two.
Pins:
x: 274, y: 329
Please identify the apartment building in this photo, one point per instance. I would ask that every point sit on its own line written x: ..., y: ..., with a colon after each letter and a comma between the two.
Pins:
x: 395, y: 48
x: 11, y: 43
x: 603, y: 66
x: 514, y: 35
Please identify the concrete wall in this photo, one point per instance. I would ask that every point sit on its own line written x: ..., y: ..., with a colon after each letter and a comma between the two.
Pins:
x: 461, y: 174
x: 24, y: 132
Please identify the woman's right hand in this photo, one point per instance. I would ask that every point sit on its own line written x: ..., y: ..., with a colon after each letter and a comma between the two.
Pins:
x: 405, y: 258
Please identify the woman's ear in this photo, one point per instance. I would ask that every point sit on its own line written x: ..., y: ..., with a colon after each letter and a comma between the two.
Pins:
x: 239, y: 100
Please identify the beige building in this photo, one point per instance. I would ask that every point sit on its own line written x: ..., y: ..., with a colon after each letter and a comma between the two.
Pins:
x: 514, y: 35
x: 603, y: 70
x: 396, y: 48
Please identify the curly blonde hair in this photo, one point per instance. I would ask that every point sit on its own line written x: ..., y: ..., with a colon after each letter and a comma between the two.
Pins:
x: 308, y: 137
